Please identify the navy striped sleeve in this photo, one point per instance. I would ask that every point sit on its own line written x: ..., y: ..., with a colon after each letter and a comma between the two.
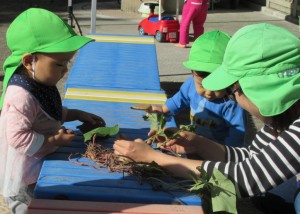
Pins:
x: 266, y: 163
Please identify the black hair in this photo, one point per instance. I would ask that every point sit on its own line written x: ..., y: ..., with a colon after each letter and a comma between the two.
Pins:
x: 282, y: 121
x: 201, y: 74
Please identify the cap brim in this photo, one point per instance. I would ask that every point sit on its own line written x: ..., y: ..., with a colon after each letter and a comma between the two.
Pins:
x: 200, y: 66
x: 68, y: 45
x: 219, y: 79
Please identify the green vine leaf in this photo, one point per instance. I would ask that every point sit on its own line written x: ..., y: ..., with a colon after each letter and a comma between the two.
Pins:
x: 221, y: 189
x: 158, y: 122
x: 223, y: 193
x: 218, y: 186
x: 101, y: 132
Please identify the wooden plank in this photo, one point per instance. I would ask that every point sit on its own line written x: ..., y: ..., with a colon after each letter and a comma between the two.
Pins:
x: 64, y: 206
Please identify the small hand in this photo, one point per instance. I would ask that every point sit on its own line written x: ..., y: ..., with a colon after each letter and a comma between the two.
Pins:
x: 148, y: 108
x: 91, y: 118
x: 154, y: 137
x: 158, y: 138
x: 142, y: 107
x: 136, y: 150
x: 156, y: 109
x: 185, y: 143
x: 64, y: 137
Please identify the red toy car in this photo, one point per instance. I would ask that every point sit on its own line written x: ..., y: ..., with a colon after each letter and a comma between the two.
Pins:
x: 166, y: 29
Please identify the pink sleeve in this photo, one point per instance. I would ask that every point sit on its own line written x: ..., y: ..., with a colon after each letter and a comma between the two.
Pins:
x: 21, y: 109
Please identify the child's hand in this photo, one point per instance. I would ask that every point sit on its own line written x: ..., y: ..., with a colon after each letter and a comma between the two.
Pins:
x: 136, y: 150
x: 156, y: 109
x: 61, y: 138
x: 74, y: 114
x: 159, y: 139
x: 185, y: 143
x: 151, y: 108
x: 91, y: 118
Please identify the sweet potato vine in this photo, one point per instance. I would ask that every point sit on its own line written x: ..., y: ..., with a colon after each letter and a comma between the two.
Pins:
x: 216, y: 191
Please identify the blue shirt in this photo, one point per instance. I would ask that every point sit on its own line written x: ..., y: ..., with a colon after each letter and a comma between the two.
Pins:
x: 221, y: 120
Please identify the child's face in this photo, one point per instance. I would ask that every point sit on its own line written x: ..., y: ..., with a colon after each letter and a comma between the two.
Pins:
x: 210, y: 95
x: 51, y: 67
x: 246, y: 104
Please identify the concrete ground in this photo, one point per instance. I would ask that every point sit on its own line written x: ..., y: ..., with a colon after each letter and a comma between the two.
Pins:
x: 111, y: 20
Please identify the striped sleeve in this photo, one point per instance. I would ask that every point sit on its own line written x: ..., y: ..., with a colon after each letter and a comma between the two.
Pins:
x: 266, y: 163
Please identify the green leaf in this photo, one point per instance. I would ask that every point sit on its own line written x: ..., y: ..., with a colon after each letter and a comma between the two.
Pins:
x: 162, y: 121
x: 153, y: 118
x: 223, y: 193
x: 101, y: 132
x: 158, y: 121
x: 221, y: 189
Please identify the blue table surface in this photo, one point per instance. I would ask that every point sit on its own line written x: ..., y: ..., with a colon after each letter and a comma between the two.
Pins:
x: 114, y: 113
x: 115, y: 65
x: 62, y: 179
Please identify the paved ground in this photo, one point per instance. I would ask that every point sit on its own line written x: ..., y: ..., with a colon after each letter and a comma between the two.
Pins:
x: 111, y: 20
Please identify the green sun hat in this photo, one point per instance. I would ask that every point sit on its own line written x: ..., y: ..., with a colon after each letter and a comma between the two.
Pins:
x: 265, y: 60
x: 37, y: 30
x: 207, y: 52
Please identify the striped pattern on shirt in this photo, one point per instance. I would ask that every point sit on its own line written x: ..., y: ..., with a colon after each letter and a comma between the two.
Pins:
x: 266, y: 163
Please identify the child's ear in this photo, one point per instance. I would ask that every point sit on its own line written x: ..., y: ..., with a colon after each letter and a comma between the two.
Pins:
x: 28, y: 61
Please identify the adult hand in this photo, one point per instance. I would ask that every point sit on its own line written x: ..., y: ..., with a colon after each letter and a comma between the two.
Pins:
x: 137, y: 150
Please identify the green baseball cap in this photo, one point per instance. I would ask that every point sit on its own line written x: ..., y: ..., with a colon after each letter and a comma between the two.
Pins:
x: 265, y: 60
x: 38, y: 30
x: 207, y: 51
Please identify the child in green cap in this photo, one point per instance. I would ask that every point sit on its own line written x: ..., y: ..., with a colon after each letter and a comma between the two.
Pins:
x: 216, y: 117
x: 261, y: 66
x: 41, y: 45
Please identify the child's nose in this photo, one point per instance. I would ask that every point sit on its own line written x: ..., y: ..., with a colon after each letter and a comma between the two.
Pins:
x: 209, y: 94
